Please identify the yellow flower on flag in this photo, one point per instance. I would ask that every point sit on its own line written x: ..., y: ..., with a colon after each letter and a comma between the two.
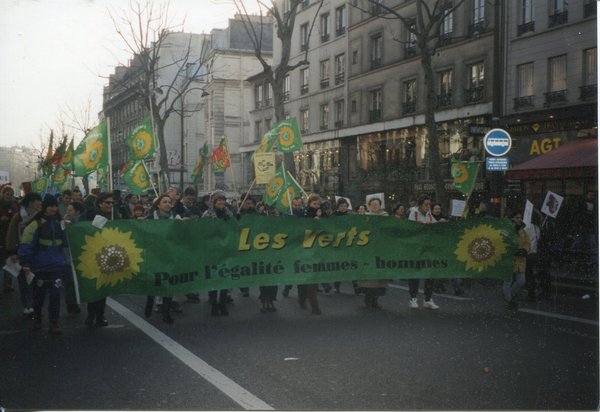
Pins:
x: 480, y: 247
x: 94, y: 154
x: 459, y: 172
x: 285, y: 199
x: 109, y: 257
x: 142, y: 144
x: 275, y: 186
x: 140, y: 177
x: 287, y: 137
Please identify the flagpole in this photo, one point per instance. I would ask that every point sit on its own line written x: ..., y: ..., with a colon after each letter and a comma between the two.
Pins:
x: 247, y: 193
x: 150, y: 178
x: 285, y: 185
x: 301, y: 188
x: 110, y: 179
x: 466, y: 209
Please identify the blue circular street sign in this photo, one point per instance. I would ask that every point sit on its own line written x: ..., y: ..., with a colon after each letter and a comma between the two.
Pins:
x: 497, y: 142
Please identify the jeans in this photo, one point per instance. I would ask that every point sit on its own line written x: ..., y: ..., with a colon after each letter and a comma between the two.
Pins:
x: 513, y: 286
x: 413, y: 288
x: 51, y: 284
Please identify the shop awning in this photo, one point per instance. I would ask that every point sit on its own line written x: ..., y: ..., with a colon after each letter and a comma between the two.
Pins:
x: 575, y: 159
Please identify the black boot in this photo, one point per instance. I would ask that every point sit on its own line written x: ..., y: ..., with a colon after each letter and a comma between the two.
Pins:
x: 223, y: 309
x: 101, y: 320
x: 89, y: 320
x: 214, y: 309
x: 149, y: 306
x: 166, y: 311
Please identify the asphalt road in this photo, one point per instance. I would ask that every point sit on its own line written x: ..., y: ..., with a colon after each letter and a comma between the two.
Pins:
x: 472, y: 353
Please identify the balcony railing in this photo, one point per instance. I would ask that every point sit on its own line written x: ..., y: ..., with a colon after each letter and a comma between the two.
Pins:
x: 374, y: 115
x: 339, y: 78
x: 304, y: 47
x: 286, y: 96
x: 338, y: 124
x: 376, y: 9
x: 324, y: 37
x: 525, y: 27
x: 558, y: 18
x: 305, y: 4
x: 304, y: 89
x: 267, y: 103
x: 324, y: 83
x: 522, y: 102
x: 375, y: 63
x: 445, y: 39
x: 588, y: 92
x: 474, y: 94
x: 590, y: 9
x: 324, y: 126
x: 478, y: 28
x: 551, y: 98
x: 340, y: 31
x: 409, y: 107
x: 410, y: 51
x: 444, y: 99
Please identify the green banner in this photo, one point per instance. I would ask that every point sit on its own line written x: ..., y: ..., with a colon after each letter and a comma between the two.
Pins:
x: 174, y: 257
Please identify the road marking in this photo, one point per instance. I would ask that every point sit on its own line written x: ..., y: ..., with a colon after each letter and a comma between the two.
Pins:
x: 238, y: 394
x: 558, y: 316
x: 392, y: 285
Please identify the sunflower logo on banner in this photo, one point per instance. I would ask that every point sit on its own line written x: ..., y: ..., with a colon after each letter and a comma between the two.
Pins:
x: 481, y: 247
x: 464, y: 175
x: 288, y: 135
x: 109, y: 257
x: 141, y: 140
x: 92, y: 152
x: 274, y: 188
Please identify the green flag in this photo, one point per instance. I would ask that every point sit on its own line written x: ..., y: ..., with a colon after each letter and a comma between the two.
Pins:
x: 289, y: 191
x: 199, y: 169
x: 141, y: 140
x: 464, y: 175
x: 60, y: 176
x: 266, y: 144
x: 275, y: 188
x: 136, y: 177
x: 40, y: 185
x: 67, y: 159
x: 92, y: 152
x: 287, y: 135
x: 128, y: 256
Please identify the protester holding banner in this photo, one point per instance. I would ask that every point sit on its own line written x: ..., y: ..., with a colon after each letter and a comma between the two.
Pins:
x: 218, y: 210
x: 399, y: 212
x: 105, y: 208
x: 313, y: 211
x: 43, y: 255
x: 421, y: 214
x: 512, y: 287
x: 30, y: 205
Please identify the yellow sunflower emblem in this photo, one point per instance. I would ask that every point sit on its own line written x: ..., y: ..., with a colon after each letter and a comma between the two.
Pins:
x: 285, y: 199
x: 93, y: 154
x: 142, y: 144
x: 274, y: 187
x: 286, y: 136
x: 140, y: 177
x: 110, y: 257
x: 480, y: 247
x: 459, y: 173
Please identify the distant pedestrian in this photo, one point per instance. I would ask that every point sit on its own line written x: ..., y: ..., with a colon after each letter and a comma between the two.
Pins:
x: 512, y: 287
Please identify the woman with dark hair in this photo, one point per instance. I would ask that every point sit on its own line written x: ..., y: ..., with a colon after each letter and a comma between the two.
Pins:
x: 399, y: 212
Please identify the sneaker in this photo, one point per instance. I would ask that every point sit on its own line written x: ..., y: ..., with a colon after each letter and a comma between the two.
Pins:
x: 428, y: 304
x: 413, y: 304
x: 28, y: 311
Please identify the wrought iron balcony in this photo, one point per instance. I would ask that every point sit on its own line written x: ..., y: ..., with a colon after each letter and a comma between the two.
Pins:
x: 374, y: 116
x: 477, y: 28
x: 444, y: 99
x: 558, y: 18
x: 339, y: 78
x: 340, y: 31
x: 338, y: 124
x: 409, y: 107
x: 324, y: 37
x: 590, y: 9
x: 324, y: 83
x: 522, y: 102
x: 324, y: 127
x: 375, y: 63
x: 588, y: 92
x: 304, y: 89
x: 286, y: 96
x: 445, y: 39
x: 525, y: 27
x: 474, y: 94
x: 410, y: 51
x: 376, y: 9
x: 304, y: 47
x: 257, y: 104
x: 305, y: 3
x: 552, y: 98
x: 267, y: 103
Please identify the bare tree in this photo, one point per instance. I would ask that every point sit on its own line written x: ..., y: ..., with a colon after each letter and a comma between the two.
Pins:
x: 425, y: 27
x: 274, y: 73
x: 161, y: 76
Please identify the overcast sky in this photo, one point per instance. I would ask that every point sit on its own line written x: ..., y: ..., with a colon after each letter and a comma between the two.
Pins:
x: 58, y: 53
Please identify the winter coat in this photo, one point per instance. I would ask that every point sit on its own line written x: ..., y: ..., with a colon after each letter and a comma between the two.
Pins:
x: 43, y: 247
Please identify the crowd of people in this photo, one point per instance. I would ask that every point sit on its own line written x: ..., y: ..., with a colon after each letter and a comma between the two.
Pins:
x: 33, y: 233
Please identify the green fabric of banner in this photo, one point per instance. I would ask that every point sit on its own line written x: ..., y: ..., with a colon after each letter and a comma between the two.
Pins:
x: 174, y: 257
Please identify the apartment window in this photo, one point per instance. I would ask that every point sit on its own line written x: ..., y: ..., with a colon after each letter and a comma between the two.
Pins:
x: 268, y: 95
x: 478, y: 18
x: 525, y: 83
x: 341, y: 20
x: 376, y: 102
x: 410, y: 47
x: 304, y: 80
x: 340, y: 68
x: 558, y: 13
x: 339, y: 113
x: 304, y: 37
x: 354, y: 56
x: 475, y: 91
x: 590, y: 74
x: 444, y: 97
x: 446, y: 28
x: 590, y: 8
x: 376, y: 50
x: 354, y: 106
x: 325, y: 29
x: 527, y: 18
x: 324, y: 117
x: 304, y: 120
x: 409, y: 97
x: 268, y: 124
x: 324, y: 73
x: 258, y: 92
x: 557, y: 80
x: 287, y: 86
x: 258, y: 131
x: 376, y: 8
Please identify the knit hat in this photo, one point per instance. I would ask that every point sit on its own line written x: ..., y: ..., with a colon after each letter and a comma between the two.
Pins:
x: 217, y: 194
x: 49, y: 200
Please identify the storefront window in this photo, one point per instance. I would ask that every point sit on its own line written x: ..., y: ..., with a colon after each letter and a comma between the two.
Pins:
x: 318, y: 166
